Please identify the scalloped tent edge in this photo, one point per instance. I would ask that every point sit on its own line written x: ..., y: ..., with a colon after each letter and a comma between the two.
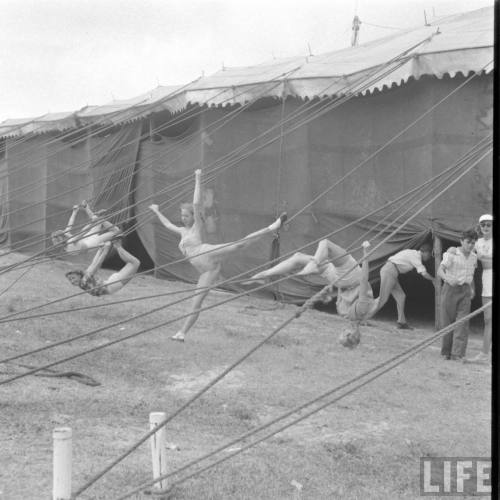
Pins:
x: 445, y: 49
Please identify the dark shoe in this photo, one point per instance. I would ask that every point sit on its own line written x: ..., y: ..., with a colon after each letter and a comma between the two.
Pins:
x: 404, y: 326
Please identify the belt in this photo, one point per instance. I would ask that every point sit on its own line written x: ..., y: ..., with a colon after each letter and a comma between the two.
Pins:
x: 395, y: 265
x: 456, y: 286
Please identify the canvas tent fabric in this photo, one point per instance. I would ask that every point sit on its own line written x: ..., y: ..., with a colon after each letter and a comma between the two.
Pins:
x: 126, y: 169
x: 246, y: 197
x: 46, y: 178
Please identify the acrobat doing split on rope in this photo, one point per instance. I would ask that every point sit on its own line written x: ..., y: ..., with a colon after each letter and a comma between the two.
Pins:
x: 205, y: 257
x: 355, y: 300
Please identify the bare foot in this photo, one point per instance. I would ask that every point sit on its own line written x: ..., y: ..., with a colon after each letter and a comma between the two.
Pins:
x: 179, y: 336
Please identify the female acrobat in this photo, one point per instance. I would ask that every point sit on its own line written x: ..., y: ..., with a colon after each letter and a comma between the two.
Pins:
x: 88, y: 281
x: 205, y: 257
x: 355, y: 300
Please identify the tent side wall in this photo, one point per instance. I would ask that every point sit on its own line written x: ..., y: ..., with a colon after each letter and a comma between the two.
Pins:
x: 4, y: 194
x: 246, y: 194
x: 466, y: 118
x: 68, y: 182
x: 27, y: 171
x: 47, y: 176
x: 270, y: 172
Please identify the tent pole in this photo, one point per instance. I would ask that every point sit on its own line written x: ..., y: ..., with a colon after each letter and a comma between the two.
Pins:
x: 438, y: 251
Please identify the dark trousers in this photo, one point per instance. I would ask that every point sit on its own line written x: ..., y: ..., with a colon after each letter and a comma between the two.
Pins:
x: 455, y: 304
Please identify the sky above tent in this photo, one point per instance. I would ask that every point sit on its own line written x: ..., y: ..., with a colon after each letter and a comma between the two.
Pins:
x: 60, y: 55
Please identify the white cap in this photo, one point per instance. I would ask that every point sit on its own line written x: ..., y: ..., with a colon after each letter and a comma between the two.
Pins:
x: 486, y: 217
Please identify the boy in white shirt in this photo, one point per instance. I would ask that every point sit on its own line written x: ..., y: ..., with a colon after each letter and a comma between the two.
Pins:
x: 457, y: 271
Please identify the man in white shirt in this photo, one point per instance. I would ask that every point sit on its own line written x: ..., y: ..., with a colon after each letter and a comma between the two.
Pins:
x: 401, y: 263
x: 457, y: 271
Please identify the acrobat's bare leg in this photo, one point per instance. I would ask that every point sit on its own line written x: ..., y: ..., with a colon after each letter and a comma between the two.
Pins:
x: 132, y: 263
x: 205, y: 281
x: 227, y: 248
x: 327, y: 251
x: 365, y: 289
x: 98, y: 259
x: 289, y: 265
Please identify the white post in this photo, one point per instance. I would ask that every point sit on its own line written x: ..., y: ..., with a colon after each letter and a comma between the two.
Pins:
x: 62, y: 463
x: 158, y: 450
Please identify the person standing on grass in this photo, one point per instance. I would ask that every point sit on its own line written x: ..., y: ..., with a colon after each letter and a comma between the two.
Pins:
x: 402, y: 263
x: 484, y: 251
x: 205, y: 257
x: 457, y: 272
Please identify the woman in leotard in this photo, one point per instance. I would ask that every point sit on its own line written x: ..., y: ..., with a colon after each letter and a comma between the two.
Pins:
x: 88, y: 281
x: 205, y: 257
x: 91, y: 236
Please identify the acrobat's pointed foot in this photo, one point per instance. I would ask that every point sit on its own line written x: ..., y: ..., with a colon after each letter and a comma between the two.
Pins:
x: 278, y: 223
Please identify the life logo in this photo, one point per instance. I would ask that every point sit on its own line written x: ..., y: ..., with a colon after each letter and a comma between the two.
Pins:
x: 455, y: 476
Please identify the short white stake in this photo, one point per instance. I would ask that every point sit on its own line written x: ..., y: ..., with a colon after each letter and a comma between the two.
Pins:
x: 62, y: 463
x: 158, y: 450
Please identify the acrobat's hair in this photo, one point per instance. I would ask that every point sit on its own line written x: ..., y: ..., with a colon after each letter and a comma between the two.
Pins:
x: 187, y: 206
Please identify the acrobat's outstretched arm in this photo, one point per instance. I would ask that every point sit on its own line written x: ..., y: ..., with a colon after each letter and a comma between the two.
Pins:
x: 71, y: 221
x: 197, y: 204
x: 169, y: 225
x: 365, y: 290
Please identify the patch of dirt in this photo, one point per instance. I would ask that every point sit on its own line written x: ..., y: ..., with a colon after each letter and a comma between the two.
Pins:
x: 188, y: 384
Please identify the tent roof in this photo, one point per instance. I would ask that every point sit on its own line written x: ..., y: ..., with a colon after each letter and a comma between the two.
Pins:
x: 452, y: 45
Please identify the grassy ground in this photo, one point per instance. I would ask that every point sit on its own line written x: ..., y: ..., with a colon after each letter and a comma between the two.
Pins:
x: 367, y: 445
